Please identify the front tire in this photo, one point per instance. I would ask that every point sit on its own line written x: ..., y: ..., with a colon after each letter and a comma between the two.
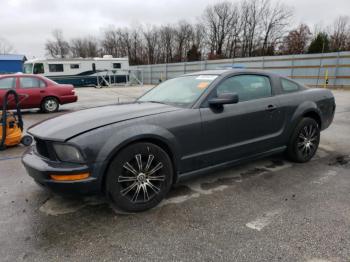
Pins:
x: 304, y: 141
x: 49, y: 105
x: 139, y: 177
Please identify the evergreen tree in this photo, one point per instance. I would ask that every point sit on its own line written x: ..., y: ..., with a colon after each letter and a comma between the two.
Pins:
x: 319, y: 44
x: 193, y: 54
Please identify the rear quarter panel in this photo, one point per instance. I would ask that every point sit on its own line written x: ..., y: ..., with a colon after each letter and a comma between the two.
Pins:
x: 295, y: 105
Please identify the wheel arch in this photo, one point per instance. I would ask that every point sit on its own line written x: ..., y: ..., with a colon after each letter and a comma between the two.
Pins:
x: 50, y: 96
x: 165, y: 142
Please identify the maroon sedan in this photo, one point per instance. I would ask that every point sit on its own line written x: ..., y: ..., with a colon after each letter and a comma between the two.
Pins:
x: 37, y: 92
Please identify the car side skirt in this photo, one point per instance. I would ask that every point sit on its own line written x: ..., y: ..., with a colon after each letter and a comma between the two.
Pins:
x: 195, y: 173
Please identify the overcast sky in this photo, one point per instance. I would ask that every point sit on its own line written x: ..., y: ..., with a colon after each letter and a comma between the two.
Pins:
x: 27, y: 24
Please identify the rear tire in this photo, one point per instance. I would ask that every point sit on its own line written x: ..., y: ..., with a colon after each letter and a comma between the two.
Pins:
x: 49, y: 105
x: 304, y: 141
x: 139, y: 177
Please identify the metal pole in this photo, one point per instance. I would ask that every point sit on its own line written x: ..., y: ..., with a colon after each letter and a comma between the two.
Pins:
x: 319, y: 69
x: 336, y: 70
x: 292, y: 72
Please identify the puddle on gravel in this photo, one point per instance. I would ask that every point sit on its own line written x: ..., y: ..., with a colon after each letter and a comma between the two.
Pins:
x: 57, y: 205
x: 180, y: 190
x: 220, y: 182
x: 253, y: 172
x: 340, y: 161
x: 275, y: 163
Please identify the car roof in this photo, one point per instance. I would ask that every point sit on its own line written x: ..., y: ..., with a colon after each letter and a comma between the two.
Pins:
x: 223, y: 72
x: 18, y: 74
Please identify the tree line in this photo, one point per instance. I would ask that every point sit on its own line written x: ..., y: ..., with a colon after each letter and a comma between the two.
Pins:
x: 224, y: 30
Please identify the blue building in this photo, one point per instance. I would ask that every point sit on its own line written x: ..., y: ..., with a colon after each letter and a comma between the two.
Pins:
x: 11, y: 63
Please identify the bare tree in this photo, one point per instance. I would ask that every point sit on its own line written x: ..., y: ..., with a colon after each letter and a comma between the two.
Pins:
x: 275, y: 19
x: 78, y: 47
x: 110, y: 43
x: 252, y: 12
x: 151, y: 44
x: 297, y: 40
x: 184, y: 37
x: 57, y: 47
x: 166, y: 47
x: 5, y: 46
x: 340, y: 34
x: 219, y: 20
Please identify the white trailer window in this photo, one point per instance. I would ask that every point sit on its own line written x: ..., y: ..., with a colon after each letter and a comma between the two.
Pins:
x: 117, y: 65
x: 74, y: 66
x: 56, y: 67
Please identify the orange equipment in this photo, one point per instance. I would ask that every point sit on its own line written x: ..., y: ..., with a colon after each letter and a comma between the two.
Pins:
x: 11, y: 127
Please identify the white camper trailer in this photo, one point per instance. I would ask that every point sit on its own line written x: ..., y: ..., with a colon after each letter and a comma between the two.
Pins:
x: 81, y: 71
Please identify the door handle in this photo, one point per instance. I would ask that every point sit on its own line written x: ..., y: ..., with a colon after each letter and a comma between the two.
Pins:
x: 42, y: 91
x: 271, y: 108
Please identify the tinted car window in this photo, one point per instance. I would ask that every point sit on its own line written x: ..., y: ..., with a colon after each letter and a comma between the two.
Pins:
x: 56, y: 67
x: 248, y: 87
x: 7, y: 83
x: 117, y: 65
x: 31, y: 82
x: 289, y: 86
x: 38, y: 68
x: 74, y: 66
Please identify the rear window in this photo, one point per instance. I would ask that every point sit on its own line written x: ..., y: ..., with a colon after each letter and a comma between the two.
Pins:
x: 289, y: 86
x: 30, y: 82
x: 7, y: 82
x: 56, y: 67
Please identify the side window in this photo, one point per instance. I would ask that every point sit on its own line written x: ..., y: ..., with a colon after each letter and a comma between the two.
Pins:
x: 289, y: 86
x: 30, y: 82
x: 248, y: 87
x: 74, y: 66
x: 117, y: 65
x: 7, y: 83
x: 38, y: 68
x: 56, y: 67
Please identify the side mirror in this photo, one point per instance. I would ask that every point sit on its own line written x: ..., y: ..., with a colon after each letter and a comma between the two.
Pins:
x: 223, y: 99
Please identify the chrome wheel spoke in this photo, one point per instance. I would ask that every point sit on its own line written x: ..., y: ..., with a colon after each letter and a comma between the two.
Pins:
x: 153, y: 187
x: 122, y: 179
x: 145, y: 192
x: 149, y: 162
x: 156, y: 178
x: 139, y: 161
x: 301, y: 135
x: 155, y: 169
x: 140, y: 180
x: 130, y: 168
x: 128, y: 189
x: 136, y: 194
x: 313, y: 132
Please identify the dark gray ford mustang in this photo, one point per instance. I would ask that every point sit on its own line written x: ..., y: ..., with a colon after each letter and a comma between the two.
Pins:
x: 185, y: 126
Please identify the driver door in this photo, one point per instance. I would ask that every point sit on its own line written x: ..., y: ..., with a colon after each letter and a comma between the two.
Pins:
x: 248, y: 127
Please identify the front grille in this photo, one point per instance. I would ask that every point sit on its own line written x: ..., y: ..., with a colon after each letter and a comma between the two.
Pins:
x: 42, y: 148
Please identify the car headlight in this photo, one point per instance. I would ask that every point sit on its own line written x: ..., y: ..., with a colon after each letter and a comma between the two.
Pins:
x: 68, y: 153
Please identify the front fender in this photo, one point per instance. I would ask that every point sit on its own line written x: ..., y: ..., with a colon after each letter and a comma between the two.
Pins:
x: 131, y: 134
x: 101, y: 146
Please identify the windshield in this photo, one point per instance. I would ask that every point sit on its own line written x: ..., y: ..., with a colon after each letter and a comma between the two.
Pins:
x: 28, y: 68
x: 181, y: 91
